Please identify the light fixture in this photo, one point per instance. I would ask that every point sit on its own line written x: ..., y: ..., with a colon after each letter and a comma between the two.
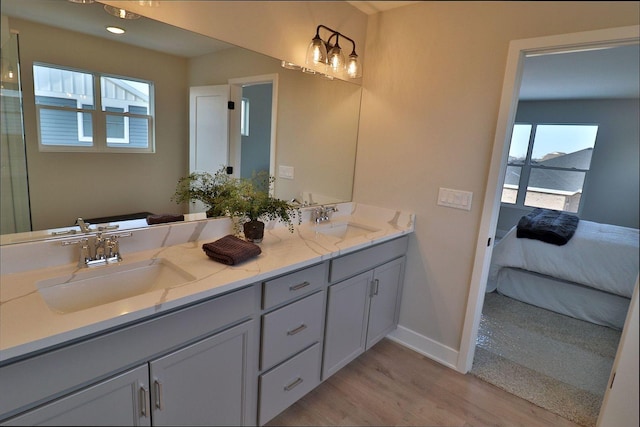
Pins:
x: 10, y: 72
x: 82, y: 1
x: 120, y: 13
x: 325, y: 53
x: 115, y: 30
x: 290, y: 65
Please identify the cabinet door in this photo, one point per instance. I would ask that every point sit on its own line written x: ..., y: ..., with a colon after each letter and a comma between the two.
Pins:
x: 384, y: 295
x: 346, y: 324
x: 119, y: 401
x: 206, y: 383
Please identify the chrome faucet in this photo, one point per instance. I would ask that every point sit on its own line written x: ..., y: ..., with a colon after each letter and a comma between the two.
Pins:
x: 321, y: 214
x: 98, y: 249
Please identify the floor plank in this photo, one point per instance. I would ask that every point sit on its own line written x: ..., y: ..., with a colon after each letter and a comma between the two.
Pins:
x: 393, y: 385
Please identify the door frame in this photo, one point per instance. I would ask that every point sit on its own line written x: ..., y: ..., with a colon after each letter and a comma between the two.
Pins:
x: 518, y: 50
x: 235, y: 139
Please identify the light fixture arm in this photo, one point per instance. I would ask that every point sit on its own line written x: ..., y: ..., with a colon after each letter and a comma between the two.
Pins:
x: 337, y: 35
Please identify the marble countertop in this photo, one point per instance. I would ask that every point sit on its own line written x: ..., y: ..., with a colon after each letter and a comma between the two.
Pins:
x: 28, y: 324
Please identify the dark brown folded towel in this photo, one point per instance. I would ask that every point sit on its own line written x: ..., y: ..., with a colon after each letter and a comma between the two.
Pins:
x: 162, y: 218
x: 231, y: 250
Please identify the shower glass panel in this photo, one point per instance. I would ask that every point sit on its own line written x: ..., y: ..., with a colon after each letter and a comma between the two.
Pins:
x: 15, y: 215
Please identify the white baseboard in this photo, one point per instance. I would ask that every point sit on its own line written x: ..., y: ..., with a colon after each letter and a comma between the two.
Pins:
x: 425, y: 346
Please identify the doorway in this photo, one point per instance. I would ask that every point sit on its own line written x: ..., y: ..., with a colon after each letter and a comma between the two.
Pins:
x: 517, y: 52
x: 253, y: 123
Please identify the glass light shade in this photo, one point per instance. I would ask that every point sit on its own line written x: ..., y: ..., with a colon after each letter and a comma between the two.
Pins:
x: 290, y: 65
x: 336, y: 59
x: 354, y: 68
x: 316, y: 52
x: 120, y: 13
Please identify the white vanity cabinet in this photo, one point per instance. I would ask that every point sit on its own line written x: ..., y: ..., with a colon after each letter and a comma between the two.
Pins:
x: 237, y: 358
x: 362, y: 306
x: 195, y: 366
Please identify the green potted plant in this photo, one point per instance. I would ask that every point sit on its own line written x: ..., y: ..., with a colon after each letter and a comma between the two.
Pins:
x: 206, y: 188
x: 247, y: 201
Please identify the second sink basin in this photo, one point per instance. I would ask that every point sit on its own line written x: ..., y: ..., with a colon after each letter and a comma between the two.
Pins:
x: 102, y: 285
x: 344, y: 230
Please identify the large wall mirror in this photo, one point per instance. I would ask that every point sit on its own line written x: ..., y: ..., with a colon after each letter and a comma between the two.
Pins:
x: 316, y: 118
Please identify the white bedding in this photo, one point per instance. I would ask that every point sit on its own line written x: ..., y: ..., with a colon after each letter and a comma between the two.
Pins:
x: 601, y: 256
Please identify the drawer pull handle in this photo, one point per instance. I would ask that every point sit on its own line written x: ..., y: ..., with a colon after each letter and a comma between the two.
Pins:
x: 294, y: 384
x: 299, y: 286
x: 298, y: 329
x: 158, y: 386
x: 143, y: 401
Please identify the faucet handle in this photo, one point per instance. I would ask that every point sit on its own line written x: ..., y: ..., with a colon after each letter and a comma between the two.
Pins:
x: 84, y: 226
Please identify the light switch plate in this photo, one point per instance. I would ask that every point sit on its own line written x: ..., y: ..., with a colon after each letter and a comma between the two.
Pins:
x: 285, y: 172
x: 455, y: 198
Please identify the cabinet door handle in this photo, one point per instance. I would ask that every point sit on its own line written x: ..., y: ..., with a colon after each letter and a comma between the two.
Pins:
x: 144, y: 392
x: 298, y: 329
x: 374, y: 288
x: 299, y: 286
x: 158, y: 392
x: 294, y: 384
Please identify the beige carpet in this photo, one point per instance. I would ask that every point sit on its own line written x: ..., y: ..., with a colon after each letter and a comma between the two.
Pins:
x: 556, y: 362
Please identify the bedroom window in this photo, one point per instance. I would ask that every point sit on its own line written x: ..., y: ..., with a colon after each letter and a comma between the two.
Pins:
x: 93, y: 112
x: 550, y: 161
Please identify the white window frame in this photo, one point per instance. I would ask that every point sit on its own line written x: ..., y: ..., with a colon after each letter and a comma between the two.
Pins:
x: 99, y: 140
x: 527, y: 166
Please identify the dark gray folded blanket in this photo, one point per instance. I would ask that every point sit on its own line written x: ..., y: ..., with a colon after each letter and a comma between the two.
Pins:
x: 231, y: 250
x: 548, y: 225
x: 163, y: 218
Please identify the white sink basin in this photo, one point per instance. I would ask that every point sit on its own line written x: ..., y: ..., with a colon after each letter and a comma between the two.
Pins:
x: 344, y: 230
x: 100, y: 285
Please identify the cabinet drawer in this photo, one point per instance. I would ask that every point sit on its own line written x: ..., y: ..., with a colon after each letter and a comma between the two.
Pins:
x: 289, y: 329
x: 357, y: 262
x: 293, y: 285
x: 285, y: 384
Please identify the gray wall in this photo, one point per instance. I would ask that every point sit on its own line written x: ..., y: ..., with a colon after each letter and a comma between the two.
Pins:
x: 256, y: 146
x: 611, y: 191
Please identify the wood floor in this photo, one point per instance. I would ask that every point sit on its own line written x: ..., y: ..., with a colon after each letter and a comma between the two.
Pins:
x: 393, y: 385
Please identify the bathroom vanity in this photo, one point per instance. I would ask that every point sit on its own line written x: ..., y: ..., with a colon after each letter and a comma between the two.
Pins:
x: 229, y: 345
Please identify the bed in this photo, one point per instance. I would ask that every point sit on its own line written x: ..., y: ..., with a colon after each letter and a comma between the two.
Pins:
x: 591, y: 276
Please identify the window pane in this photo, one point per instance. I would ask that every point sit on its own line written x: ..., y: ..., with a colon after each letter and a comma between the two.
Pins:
x: 122, y: 93
x: 115, y: 125
x: 244, y: 117
x: 50, y: 84
x: 519, y: 143
x: 59, y: 127
x: 511, y: 184
x: 564, y: 146
x: 554, y: 189
x: 138, y: 128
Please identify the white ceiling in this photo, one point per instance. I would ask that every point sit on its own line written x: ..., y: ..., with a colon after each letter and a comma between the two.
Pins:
x: 371, y: 7
x: 604, y: 73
